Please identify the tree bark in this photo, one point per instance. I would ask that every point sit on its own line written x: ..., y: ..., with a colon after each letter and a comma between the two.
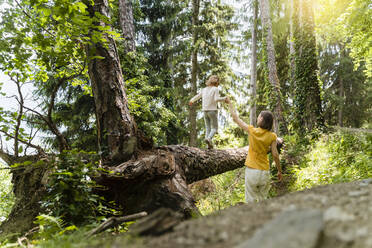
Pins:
x: 273, y: 75
x: 252, y: 111
x: 117, y: 130
x: 194, y: 70
x: 127, y: 24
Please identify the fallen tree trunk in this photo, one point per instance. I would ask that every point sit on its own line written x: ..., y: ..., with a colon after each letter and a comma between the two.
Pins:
x: 159, y: 178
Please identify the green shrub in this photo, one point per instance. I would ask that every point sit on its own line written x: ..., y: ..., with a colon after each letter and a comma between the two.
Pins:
x: 336, y: 157
x: 229, y: 190
x: 71, y: 191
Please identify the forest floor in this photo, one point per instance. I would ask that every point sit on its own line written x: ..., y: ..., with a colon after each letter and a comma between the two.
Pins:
x: 329, y: 216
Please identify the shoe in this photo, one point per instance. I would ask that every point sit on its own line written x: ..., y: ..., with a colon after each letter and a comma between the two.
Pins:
x: 209, y: 143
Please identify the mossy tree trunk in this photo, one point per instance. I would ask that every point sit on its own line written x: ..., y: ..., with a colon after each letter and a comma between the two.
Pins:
x: 307, y: 101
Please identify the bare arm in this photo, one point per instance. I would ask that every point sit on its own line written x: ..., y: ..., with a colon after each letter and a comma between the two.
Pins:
x: 235, y: 116
x: 275, y: 154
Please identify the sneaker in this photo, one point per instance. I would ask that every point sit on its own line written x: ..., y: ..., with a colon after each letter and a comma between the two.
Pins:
x: 209, y: 143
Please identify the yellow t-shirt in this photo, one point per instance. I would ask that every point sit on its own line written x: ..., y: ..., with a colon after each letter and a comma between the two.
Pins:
x: 259, y: 144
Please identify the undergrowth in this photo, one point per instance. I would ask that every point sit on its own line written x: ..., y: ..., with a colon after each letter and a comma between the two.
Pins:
x: 334, y: 158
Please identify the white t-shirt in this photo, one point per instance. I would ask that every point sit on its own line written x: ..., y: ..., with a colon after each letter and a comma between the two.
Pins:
x: 210, y: 96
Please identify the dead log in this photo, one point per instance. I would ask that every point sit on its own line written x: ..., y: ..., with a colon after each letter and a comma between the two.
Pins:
x: 159, y: 178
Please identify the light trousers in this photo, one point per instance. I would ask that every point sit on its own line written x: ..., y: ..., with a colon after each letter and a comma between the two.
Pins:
x: 211, y: 123
x: 257, y: 184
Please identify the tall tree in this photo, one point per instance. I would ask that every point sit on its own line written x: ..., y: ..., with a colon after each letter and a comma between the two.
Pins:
x: 117, y: 131
x: 165, y: 30
x: 273, y: 75
x: 346, y: 91
x: 252, y: 111
x: 307, y: 100
x: 127, y: 24
x: 194, y: 69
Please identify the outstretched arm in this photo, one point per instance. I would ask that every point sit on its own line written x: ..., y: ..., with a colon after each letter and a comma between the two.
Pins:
x: 217, y: 97
x: 235, y: 116
x: 195, y: 98
x: 275, y: 154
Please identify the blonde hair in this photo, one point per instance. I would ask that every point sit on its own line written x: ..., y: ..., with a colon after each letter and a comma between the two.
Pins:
x: 212, y: 80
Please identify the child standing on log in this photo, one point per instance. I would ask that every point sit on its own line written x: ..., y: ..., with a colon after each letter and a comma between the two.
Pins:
x: 210, y: 97
x: 261, y: 139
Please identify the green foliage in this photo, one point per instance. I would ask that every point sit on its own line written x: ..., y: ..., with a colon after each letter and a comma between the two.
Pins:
x: 167, y: 46
x: 71, y: 191
x: 74, y: 114
x: 347, y: 92
x: 356, y: 23
x: 336, y: 157
x: 53, y: 233
x: 229, y: 190
x: 6, y: 194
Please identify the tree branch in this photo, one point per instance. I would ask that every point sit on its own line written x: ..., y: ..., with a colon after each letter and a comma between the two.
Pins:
x: 38, y: 148
x: 20, y: 113
x: 115, y: 221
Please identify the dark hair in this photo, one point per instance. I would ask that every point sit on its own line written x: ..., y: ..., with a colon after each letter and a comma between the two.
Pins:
x: 267, y: 122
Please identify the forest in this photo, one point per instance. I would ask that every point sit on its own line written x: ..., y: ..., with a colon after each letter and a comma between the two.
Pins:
x: 99, y: 141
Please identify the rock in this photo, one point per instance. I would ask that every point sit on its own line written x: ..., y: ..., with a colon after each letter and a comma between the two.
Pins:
x: 358, y: 193
x: 291, y: 229
x: 365, y: 182
x: 336, y: 213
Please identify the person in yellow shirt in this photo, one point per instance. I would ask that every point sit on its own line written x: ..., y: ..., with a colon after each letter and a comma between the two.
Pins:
x: 261, y: 140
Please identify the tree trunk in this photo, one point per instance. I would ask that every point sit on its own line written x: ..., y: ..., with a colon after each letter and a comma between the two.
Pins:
x: 291, y: 45
x: 127, y: 24
x: 116, y: 128
x: 307, y: 90
x: 194, y: 70
x: 273, y: 75
x: 252, y: 111
x: 29, y: 189
x: 160, y: 178
x: 340, y: 107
